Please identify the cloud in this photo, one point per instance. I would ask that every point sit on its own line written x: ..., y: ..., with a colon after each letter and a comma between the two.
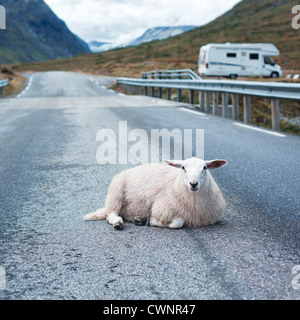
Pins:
x: 123, y: 20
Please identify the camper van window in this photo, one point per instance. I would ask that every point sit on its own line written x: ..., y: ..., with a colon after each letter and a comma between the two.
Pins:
x: 254, y: 56
x: 231, y: 55
x: 268, y: 60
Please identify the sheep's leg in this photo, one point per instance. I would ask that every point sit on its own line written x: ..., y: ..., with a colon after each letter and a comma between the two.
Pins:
x: 176, y: 224
x: 139, y: 221
x: 114, y: 219
x: 156, y: 223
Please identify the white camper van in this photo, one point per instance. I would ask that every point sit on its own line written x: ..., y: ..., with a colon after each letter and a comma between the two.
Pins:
x: 239, y: 59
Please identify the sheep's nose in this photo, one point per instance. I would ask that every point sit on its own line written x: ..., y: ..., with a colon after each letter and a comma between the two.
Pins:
x: 194, y: 185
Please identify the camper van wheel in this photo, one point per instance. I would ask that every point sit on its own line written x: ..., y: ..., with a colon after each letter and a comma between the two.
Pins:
x: 274, y: 75
x: 233, y: 76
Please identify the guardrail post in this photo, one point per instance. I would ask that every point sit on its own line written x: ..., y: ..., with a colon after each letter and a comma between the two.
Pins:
x: 215, y: 103
x: 146, y: 91
x: 169, y: 94
x: 191, y: 96
x: 225, y: 104
x: 179, y: 92
x: 201, y: 100
x: 179, y: 95
x: 247, y: 109
x: 207, y: 101
x: 160, y: 93
x: 275, y: 114
x: 152, y: 91
x: 235, y: 107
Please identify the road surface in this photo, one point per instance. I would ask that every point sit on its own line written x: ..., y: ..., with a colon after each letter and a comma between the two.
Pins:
x: 50, y: 178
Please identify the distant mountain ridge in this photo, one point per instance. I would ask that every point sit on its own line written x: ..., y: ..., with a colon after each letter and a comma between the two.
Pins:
x: 33, y: 33
x: 160, y: 33
x: 152, y: 34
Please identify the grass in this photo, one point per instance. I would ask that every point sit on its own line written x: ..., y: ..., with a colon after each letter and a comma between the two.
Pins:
x: 16, y: 81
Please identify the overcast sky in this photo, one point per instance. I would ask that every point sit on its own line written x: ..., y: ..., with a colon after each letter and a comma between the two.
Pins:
x: 123, y: 20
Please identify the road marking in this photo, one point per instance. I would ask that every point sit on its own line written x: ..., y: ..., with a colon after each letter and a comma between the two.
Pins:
x: 103, y: 87
x: 195, y: 112
x: 111, y: 91
x: 121, y: 94
x: 260, y: 130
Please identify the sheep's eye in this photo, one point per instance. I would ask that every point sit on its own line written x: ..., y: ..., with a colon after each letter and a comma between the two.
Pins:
x: 205, y: 168
x: 183, y: 168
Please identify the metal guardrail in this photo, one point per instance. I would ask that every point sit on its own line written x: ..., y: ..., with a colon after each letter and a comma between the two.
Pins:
x: 271, y: 90
x: 3, y: 83
x: 170, y: 74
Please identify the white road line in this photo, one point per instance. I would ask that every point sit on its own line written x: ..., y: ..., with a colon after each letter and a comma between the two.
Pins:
x: 103, y: 87
x: 111, y: 91
x: 274, y: 133
x: 195, y: 112
x: 121, y: 94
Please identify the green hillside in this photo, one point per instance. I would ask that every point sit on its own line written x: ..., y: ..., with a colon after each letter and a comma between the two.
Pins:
x: 249, y: 21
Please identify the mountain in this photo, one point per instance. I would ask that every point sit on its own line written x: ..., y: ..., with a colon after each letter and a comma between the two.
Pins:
x: 33, y: 32
x: 157, y: 33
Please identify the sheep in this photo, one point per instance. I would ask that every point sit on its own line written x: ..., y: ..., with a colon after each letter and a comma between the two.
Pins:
x: 181, y: 193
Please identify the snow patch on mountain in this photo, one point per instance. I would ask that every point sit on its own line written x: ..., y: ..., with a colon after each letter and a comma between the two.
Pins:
x: 152, y: 34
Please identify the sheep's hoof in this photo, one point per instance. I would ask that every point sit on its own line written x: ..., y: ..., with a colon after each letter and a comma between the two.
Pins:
x: 118, y: 225
x: 139, y: 222
x: 148, y: 222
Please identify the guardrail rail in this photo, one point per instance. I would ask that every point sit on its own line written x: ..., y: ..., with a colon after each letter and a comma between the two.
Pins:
x: 170, y: 74
x: 3, y: 83
x: 208, y: 88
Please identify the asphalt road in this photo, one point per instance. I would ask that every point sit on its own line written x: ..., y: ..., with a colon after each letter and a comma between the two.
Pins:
x: 49, y: 179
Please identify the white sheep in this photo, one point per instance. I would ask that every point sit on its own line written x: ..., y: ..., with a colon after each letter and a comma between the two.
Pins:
x: 180, y: 194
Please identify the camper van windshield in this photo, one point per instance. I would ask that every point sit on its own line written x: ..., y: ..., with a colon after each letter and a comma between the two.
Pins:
x: 268, y: 60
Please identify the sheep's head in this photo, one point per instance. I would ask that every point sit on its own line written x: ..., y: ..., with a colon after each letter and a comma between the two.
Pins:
x: 194, y: 170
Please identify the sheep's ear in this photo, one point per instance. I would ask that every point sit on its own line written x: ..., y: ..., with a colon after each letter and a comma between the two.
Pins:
x: 173, y: 163
x: 214, y: 164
